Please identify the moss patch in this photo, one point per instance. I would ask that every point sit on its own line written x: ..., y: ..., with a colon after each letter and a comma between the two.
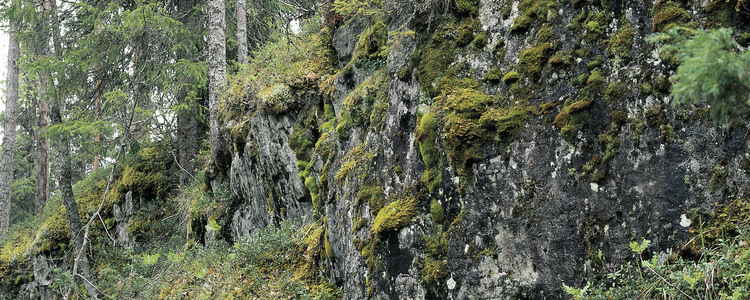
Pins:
x: 511, y: 78
x: 495, y: 75
x: 394, y: 216
x: 426, y: 134
x: 572, y: 118
x: 668, y: 14
x: 531, y: 12
x: 534, y: 59
x: 621, y: 43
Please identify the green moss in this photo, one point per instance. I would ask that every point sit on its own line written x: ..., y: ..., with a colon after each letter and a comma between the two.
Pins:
x: 668, y: 14
x: 595, y: 80
x: 718, y: 178
x: 580, y: 80
x: 329, y: 249
x: 238, y: 134
x: 372, y: 44
x: 597, y: 62
x: 546, y: 34
x: 373, y: 195
x: 661, y: 84
x: 495, y: 75
x: 531, y: 12
x: 437, y: 212
x: 465, y: 33
x: 534, y: 59
x: 721, y: 13
x: 511, y: 78
x: 312, y: 185
x: 616, y: 92
x: 638, y: 128
x: 480, y: 41
x: 572, y: 118
x: 595, y: 26
x: 667, y: 133
x: 426, y: 134
x: 434, y: 56
x: 394, y: 216
x: 499, y: 50
x: 744, y: 39
x: 618, y: 117
x: 467, y: 7
x: 621, y: 43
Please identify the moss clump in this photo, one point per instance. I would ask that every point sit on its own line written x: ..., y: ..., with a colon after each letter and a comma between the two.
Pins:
x: 616, y: 92
x: 621, y: 44
x: 572, y: 118
x: 581, y: 79
x: 499, y: 50
x: 434, y: 270
x: 511, y: 78
x: 668, y: 14
x: 534, y: 59
x: 721, y: 13
x: 545, y: 34
x: 656, y: 115
x: 276, y: 99
x: 480, y: 41
x: 373, y: 195
x: 360, y: 104
x: 744, y: 39
x: 426, y: 134
x: 437, y: 212
x: 466, y: 33
x: 718, y: 178
x: 495, y: 75
x: 661, y: 84
x: 434, y: 56
x: 394, y: 216
x: 597, y: 62
x: 312, y: 185
x: 467, y: 7
x: 532, y: 11
x: 595, y: 80
x: 618, y: 117
x: 238, y: 134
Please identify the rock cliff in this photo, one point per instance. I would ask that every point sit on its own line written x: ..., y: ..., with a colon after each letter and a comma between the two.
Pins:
x: 491, y: 149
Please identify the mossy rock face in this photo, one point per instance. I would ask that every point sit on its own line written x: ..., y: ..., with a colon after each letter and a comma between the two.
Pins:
x: 616, y: 93
x: 668, y: 14
x: 480, y: 41
x: 434, y: 56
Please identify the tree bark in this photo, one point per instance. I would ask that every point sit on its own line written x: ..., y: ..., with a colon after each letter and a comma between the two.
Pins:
x: 42, y: 149
x: 241, y: 13
x: 217, y: 73
x: 9, y: 133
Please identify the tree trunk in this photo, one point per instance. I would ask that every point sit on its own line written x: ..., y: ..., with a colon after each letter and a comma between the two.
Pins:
x: 187, y: 135
x: 217, y: 73
x: 9, y: 133
x: 241, y: 13
x: 42, y: 149
x: 65, y: 174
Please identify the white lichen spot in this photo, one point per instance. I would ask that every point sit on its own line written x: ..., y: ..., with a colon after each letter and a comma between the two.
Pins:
x: 466, y: 249
x: 595, y: 187
x: 451, y: 283
x: 684, y: 221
